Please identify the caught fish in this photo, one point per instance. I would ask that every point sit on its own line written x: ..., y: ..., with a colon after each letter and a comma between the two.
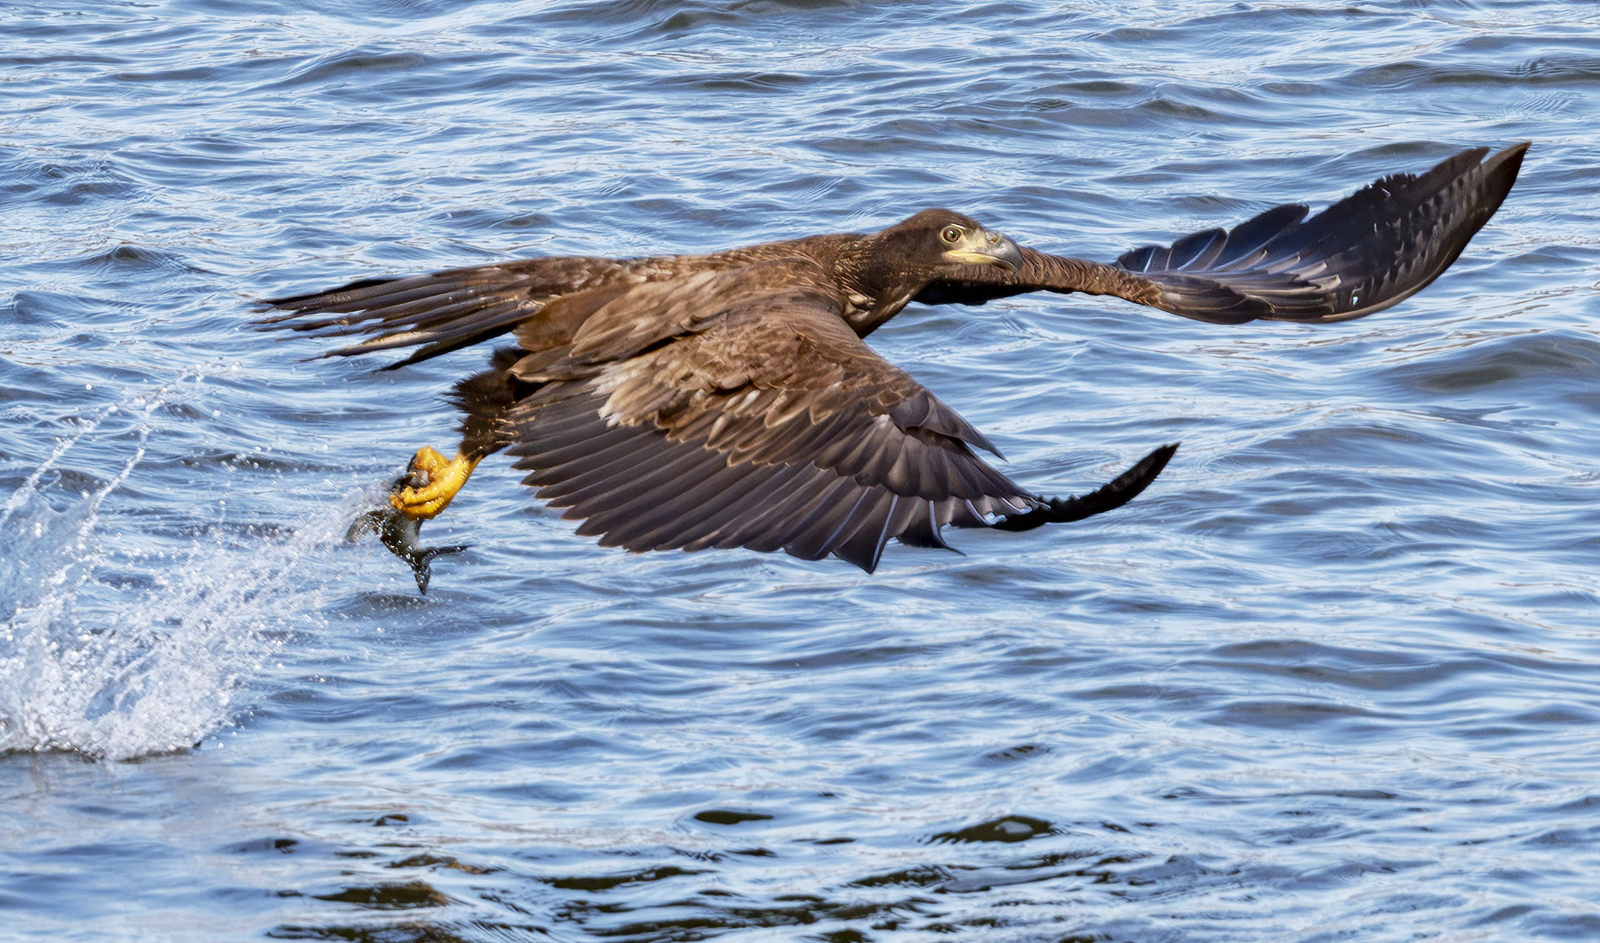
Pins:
x: 402, y: 534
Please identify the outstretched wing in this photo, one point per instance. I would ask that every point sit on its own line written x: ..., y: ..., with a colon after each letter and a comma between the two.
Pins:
x: 1370, y: 250
x: 764, y: 422
x: 444, y: 311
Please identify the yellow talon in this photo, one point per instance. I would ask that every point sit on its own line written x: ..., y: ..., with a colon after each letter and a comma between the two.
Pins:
x: 434, y: 483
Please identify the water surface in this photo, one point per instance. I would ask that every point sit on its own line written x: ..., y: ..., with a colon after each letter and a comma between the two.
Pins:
x: 1335, y: 676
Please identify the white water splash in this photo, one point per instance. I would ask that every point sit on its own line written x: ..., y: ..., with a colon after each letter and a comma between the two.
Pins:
x: 112, y: 649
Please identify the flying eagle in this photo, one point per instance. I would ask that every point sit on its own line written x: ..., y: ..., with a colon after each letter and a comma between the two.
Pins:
x: 727, y: 400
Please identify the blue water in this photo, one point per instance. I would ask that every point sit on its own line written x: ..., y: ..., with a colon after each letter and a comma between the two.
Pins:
x: 1335, y: 676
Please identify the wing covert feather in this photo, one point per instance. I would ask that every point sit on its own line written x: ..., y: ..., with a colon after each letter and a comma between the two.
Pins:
x: 742, y: 411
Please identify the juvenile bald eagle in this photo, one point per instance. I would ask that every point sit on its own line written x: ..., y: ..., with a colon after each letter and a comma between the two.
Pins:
x: 727, y: 400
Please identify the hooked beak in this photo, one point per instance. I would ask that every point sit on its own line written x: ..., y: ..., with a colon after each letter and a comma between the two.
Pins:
x: 983, y: 247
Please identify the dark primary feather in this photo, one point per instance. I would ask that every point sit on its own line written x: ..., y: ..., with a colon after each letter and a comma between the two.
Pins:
x: 1371, y: 250
x: 728, y: 400
x: 442, y: 311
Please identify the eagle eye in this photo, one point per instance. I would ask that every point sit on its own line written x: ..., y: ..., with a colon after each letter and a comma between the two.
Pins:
x: 952, y: 234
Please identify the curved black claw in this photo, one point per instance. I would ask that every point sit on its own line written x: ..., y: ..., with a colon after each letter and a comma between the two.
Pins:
x: 401, y: 535
x: 1124, y: 488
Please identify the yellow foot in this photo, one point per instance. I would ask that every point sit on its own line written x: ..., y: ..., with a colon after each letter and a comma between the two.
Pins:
x: 431, y: 483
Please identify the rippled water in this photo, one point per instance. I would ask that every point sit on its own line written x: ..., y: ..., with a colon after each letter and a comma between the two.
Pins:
x: 1335, y: 676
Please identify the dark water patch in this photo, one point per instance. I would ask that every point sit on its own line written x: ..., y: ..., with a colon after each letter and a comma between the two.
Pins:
x: 608, y: 882
x: 1524, y: 369
x: 129, y: 265
x: 408, y: 896
x: 284, y: 846
x: 1416, y: 76
x: 202, y: 75
x: 1296, y: 714
x: 407, y: 932
x: 48, y: 308
x: 1015, y: 754
x: 730, y: 817
x: 63, y: 182
x: 1342, y: 666
x: 1565, y: 70
x: 432, y: 861
x: 1010, y: 828
x: 341, y: 68
x: 759, y: 83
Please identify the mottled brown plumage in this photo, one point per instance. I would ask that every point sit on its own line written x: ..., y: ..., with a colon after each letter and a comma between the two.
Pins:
x: 728, y: 400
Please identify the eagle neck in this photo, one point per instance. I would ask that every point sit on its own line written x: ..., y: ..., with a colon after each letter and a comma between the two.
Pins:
x: 877, y: 288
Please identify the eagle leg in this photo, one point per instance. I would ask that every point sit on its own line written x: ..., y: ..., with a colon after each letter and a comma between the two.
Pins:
x: 431, y: 483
